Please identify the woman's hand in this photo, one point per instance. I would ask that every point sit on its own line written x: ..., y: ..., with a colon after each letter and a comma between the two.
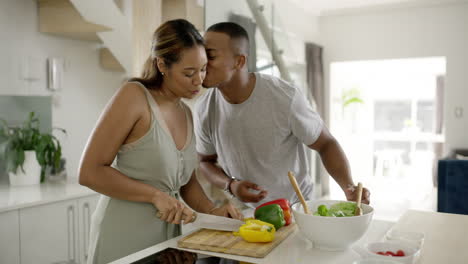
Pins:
x: 227, y: 210
x: 170, y: 209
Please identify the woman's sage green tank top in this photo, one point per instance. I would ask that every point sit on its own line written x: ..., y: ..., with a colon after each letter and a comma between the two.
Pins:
x: 120, y: 227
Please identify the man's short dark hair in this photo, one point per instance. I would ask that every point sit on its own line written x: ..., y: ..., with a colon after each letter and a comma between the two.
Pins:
x: 233, y: 30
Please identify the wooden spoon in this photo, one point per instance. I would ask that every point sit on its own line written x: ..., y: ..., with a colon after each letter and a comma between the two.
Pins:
x: 358, y: 201
x: 293, y: 181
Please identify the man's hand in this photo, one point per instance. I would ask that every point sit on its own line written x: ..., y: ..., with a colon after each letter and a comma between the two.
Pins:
x: 243, y: 191
x: 351, y: 194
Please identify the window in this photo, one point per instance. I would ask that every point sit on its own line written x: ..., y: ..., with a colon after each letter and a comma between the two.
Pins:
x: 391, y: 115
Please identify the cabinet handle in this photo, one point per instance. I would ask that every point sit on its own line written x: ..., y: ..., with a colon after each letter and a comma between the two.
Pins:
x: 70, y: 227
x: 71, y: 234
x: 74, y: 235
x: 87, y: 224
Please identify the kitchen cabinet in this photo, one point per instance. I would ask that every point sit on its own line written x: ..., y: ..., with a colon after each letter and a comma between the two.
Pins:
x: 56, y: 232
x: 86, y: 207
x: 49, y: 233
x: 9, y: 238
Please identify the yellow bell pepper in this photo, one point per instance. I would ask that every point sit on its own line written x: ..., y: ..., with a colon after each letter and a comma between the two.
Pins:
x: 257, y: 231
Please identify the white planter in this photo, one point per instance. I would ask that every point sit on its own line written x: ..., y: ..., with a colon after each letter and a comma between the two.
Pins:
x: 31, y: 174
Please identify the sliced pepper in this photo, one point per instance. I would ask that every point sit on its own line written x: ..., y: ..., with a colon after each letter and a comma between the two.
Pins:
x: 284, y: 204
x: 256, y: 231
x: 272, y: 214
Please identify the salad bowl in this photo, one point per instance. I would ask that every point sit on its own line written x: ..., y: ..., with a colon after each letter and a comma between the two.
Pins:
x: 336, y: 232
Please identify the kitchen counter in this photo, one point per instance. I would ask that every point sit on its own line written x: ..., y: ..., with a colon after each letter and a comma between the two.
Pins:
x: 12, y: 198
x: 295, y: 249
x: 446, y: 237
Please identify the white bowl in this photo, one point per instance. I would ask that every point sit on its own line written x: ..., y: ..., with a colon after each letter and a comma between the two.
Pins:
x: 331, y: 233
x: 375, y: 261
x: 411, y: 252
x: 414, y: 238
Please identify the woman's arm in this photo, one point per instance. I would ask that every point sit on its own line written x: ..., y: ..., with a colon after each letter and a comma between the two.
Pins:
x: 195, y: 197
x: 122, y: 113
x: 113, y: 127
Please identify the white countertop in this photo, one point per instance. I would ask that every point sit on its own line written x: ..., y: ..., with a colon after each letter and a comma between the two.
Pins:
x: 446, y: 237
x: 12, y: 198
x: 295, y: 249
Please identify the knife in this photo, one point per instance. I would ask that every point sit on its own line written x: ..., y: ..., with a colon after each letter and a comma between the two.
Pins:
x: 214, y: 222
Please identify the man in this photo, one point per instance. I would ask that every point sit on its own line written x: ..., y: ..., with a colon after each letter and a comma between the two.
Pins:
x: 254, y: 128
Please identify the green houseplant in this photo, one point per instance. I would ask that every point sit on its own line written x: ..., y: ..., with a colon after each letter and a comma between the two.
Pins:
x: 351, y: 96
x: 16, y: 141
x: 350, y: 100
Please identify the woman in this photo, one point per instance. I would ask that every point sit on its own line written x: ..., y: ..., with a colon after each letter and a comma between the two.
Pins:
x: 149, y: 130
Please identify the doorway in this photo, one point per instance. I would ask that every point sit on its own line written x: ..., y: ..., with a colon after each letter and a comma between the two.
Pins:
x: 386, y: 116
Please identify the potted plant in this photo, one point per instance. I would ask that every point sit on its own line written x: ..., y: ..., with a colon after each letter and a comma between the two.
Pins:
x: 28, y: 152
x: 350, y: 99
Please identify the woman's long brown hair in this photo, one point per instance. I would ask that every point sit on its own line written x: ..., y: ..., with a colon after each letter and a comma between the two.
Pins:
x: 169, y: 41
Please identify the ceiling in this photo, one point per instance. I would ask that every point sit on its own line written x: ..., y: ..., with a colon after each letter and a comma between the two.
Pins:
x: 321, y: 7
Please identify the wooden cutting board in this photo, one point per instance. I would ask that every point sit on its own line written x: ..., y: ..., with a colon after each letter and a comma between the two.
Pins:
x: 226, y: 242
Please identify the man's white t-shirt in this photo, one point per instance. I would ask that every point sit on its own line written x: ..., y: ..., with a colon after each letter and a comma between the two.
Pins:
x: 261, y: 139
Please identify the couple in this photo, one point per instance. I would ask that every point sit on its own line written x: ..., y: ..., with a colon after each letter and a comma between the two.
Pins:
x: 256, y: 127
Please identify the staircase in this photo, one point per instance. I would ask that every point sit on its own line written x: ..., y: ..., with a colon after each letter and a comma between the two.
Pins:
x: 90, y: 20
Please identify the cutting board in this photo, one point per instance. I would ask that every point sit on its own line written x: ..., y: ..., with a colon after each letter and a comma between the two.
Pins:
x: 226, y: 242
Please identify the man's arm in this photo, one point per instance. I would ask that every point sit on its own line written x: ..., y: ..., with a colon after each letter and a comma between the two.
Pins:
x: 333, y: 158
x: 239, y: 188
x: 336, y: 163
x: 213, y: 172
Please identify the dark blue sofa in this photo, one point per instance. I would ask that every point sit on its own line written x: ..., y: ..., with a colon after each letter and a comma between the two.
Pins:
x: 452, y: 186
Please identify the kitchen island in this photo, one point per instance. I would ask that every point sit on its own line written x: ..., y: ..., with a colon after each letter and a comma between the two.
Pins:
x: 295, y: 249
x: 446, y: 236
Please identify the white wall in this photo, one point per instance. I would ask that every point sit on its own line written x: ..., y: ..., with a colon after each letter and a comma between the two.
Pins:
x: 87, y: 87
x: 424, y: 31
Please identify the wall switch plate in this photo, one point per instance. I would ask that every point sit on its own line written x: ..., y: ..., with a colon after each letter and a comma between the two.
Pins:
x: 458, y: 112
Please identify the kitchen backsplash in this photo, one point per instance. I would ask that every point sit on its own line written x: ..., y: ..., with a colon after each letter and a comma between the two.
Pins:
x: 15, y: 109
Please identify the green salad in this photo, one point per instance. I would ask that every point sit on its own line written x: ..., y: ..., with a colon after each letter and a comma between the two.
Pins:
x: 341, y: 209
